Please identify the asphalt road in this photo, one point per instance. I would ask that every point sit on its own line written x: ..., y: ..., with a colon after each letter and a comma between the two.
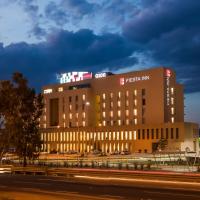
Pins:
x: 18, y: 187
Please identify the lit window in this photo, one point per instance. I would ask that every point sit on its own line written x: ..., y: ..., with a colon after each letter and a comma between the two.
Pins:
x: 126, y: 135
x: 111, y: 95
x: 64, y: 124
x: 135, y: 112
x: 47, y: 91
x: 172, y: 110
x: 111, y: 113
x: 83, y: 115
x: 119, y: 122
x: 45, y: 117
x: 83, y: 97
x: 104, y: 105
x: 70, y: 107
x: 119, y: 94
x: 127, y: 121
x: 104, y: 96
x: 172, y: 101
x: 111, y: 104
x: 63, y: 116
x: 122, y: 135
x: 104, y: 123
x: 127, y: 113
x: 127, y: 102
x: 135, y: 102
x: 119, y: 113
x: 111, y: 123
x: 104, y: 114
x: 134, y: 135
x: 45, y: 125
x: 135, y: 121
x: 60, y: 89
x: 127, y: 93
x: 172, y: 90
x: 172, y: 119
x: 117, y: 135
x: 119, y: 103
x: 70, y: 115
x: 135, y: 92
x: 83, y: 123
x: 76, y: 115
x: 130, y: 135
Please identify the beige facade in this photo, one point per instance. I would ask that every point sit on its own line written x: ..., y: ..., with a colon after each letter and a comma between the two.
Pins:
x: 131, y: 111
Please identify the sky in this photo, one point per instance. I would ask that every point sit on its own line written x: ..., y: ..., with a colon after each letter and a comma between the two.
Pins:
x: 42, y: 38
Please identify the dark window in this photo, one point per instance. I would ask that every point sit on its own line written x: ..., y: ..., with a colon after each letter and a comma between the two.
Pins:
x: 70, y: 124
x: 152, y: 134
x: 143, y: 120
x: 172, y: 133
x: 54, y: 112
x: 143, y: 111
x: 143, y: 92
x: 76, y: 106
x: 83, y: 106
x: 143, y: 102
x: 177, y: 133
x: 76, y: 98
x: 148, y: 134
x: 138, y: 134
x: 70, y: 99
x: 162, y: 135
x: 143, y: 134
x: 157, y: 133
x: 167, y: 133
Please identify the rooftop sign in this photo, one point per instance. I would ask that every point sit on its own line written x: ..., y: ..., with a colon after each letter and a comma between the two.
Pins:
x: 74, y: 77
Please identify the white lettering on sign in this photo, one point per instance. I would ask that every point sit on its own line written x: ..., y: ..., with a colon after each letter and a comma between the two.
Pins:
x: 101, y: 75
x: 167, y: 80
x: 74, y: 76
x: 123, y: 81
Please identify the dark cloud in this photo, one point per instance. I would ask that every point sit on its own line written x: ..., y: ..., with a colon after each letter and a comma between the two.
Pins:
x: 170, y: 30
x: 55, y: 13
x: 64, y: 51
x: 80, y: 7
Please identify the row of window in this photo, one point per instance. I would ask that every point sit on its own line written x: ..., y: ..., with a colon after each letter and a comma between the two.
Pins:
x: 169, y: 133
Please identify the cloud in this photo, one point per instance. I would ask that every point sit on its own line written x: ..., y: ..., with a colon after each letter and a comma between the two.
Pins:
x: 64, y: 51
x: 170, y: 31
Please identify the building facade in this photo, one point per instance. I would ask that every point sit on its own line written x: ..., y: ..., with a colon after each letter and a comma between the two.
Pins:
x: 132, y: 111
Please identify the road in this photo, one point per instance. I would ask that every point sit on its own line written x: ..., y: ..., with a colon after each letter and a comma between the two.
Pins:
x: 18, y: 187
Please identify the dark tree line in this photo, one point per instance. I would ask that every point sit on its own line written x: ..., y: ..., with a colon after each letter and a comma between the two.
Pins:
x: 20, y: 110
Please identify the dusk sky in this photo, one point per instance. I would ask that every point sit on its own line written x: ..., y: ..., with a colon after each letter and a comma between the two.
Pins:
x: 42, y: 38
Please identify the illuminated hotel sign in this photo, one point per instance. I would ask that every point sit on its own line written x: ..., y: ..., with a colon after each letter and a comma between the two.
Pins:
x: 100, y: 75
x: 167, y: 79
x: 74, y: 77
x: 123, y: 80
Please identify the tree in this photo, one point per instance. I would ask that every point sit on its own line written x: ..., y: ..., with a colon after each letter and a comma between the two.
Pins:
x: 162, y: 144
x: 21, y: 112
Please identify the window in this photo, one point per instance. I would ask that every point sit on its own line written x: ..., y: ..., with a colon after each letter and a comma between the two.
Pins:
x: 147, y: 134
x: 70, y: 99
x: 167, y: 133
x: 119, y: 113
x: 127, y: 113
x: 177, y: 133
x: 111, y: 113
x: 172, y: 110
x: 83, y: 97
x: 172, y: 119
x: 162, y: 135
x: 127, y: 93
x: 135, y: 112
x: 172, y: 90
x: 152, y: 134
x: 143, y: 102
x: 104, y: 96
x: 138, y: 134
x: 143, y: 134
x: 172, y: 133
x: 135, y: 92
x: 47, y: 91
x: 76, y: 98
x: 157, y: 133
x: 143, y: 92
x: 76, y: 107
x: 60, y: 89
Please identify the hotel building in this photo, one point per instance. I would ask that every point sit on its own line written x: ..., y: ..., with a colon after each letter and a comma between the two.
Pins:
x: 115, y: 112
